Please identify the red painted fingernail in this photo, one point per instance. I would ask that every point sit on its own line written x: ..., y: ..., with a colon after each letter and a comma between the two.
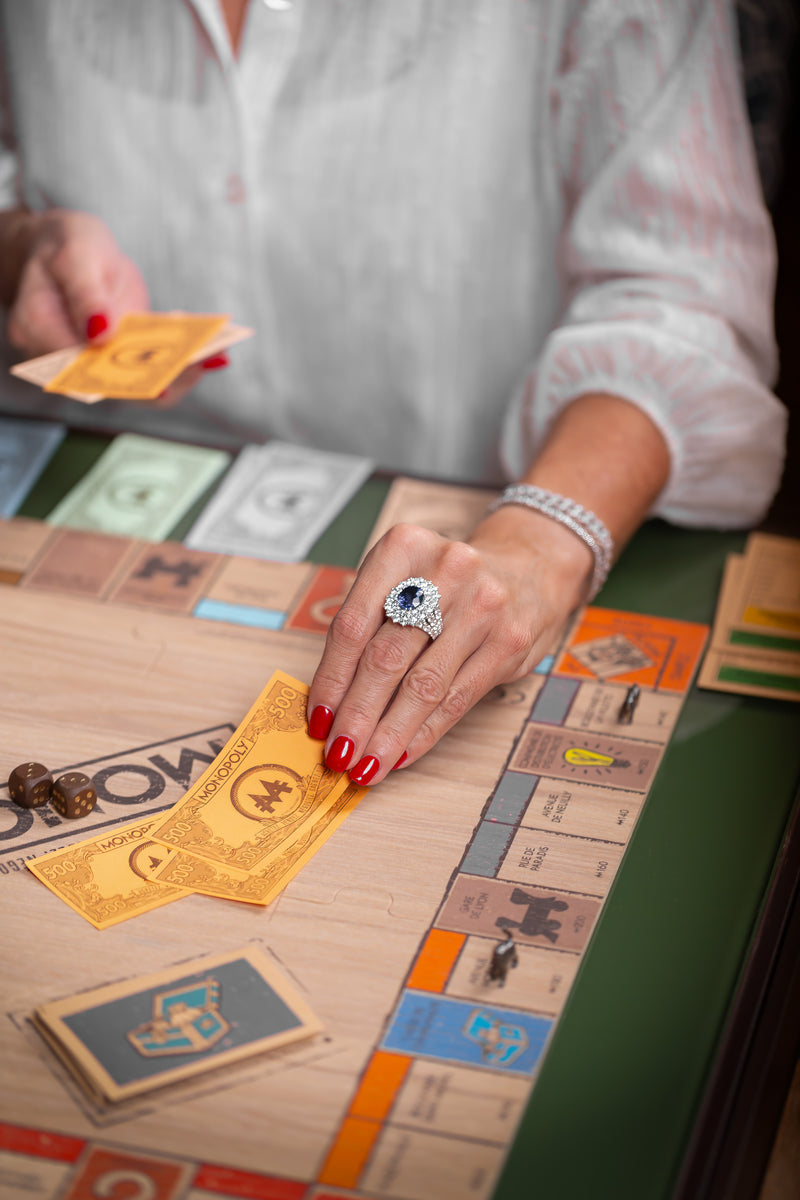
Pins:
x: 365, y: 770
x: 319, y: 723
x: 216, y: 362
x: 400, y: 760
x: 340, y: 753
x: 97, y: 324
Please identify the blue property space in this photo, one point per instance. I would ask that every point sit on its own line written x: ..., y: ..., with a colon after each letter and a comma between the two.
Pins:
x: 240, y: 614
x: 482, y: 1035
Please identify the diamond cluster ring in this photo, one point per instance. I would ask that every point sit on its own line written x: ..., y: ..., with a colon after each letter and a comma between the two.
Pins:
x: 415, y: 602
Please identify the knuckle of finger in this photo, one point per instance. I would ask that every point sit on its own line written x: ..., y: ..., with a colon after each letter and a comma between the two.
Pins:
x: 516, y: 640
x: 523, y: 668
x: 385, y: 656
x: 404, y: 537
x: 358, y: 716
x: 455, y: 704
x: 425, y: 737
x: 63, y: 259
x: 494, y: 595
x: 410, y: 540
x: 329, y: 682
x: 425, y: 685
x: 394, y: 735
x: 459, y: 559
x: 348, y: 630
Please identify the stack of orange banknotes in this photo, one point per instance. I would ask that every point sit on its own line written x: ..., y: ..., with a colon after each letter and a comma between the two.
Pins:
x: 256, y: 815
x: 145, y: 354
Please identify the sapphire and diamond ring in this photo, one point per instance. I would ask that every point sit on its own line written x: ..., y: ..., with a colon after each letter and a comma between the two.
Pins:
x: 415, y: 602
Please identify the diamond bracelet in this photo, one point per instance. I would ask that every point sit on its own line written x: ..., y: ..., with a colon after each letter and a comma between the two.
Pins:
x: 589, y: 528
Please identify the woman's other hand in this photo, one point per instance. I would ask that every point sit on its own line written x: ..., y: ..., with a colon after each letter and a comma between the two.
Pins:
x: 73, y: 283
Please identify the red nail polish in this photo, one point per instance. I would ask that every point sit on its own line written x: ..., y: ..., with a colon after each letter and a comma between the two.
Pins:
x: 216, y: 362
x: 319, y: 723
x: 97, y: 324
x: 400, y: 760
x: 365, y: 770
x: 340, y: 753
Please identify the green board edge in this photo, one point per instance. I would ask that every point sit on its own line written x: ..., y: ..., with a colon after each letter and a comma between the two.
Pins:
x: 612, y: 1110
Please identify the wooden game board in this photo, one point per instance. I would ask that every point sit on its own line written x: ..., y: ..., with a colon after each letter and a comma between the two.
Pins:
x: 136, y: 667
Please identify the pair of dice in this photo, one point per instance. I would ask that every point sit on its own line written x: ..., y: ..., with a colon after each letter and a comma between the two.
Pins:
x: 71, y: 795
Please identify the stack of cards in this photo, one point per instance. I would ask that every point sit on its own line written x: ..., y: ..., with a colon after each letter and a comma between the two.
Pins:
x: 145, y: 355
x: 129, y: 1038
x: 755, y: 640
x: 276, y: 500
x: 261, y: 810
x: 273, y: 504
x: 140, y: 487
x: 26, y: 447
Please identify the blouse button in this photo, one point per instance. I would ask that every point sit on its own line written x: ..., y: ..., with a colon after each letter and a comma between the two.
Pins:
x: 235, y: 192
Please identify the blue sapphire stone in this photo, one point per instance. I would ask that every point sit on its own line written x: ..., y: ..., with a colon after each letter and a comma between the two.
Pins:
x: 410, y: 597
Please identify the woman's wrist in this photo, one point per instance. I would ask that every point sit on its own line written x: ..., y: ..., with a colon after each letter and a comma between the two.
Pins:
x: 543, y: 544
x: 581, y: 521
x: 602, y: 465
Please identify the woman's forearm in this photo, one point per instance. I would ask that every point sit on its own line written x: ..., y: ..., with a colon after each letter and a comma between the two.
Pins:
x: 607, y: 455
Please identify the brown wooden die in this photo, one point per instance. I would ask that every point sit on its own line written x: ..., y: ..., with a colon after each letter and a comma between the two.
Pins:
x: 30, y: 785
x: 74, y: 795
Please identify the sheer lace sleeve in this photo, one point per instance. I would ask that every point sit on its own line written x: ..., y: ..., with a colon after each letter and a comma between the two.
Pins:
x: 667, y: 254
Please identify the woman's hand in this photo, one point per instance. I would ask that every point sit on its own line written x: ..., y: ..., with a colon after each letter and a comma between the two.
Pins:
x: 73, y: 285
x: 74, y: 282
x: 384, y: 694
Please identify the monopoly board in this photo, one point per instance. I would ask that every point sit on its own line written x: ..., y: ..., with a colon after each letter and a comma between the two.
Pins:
x: 134, y: 662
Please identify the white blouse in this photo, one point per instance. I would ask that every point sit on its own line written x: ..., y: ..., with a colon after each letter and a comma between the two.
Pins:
x: 445, y: 219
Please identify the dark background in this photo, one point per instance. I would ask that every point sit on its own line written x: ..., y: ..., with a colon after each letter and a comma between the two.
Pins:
x: 784, y: 516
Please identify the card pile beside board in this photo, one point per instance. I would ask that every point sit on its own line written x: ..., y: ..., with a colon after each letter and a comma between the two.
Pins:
x: 128, y: 1038
x: 276, y: 500
x: 755, y: 639
x: 256, y: 815
x: 26, y: 447
x: 273, y: 504
x: 146, y: 353
x: 140, y: 487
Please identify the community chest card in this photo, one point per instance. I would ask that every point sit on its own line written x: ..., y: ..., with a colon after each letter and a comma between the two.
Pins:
x: 141, y: 1034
